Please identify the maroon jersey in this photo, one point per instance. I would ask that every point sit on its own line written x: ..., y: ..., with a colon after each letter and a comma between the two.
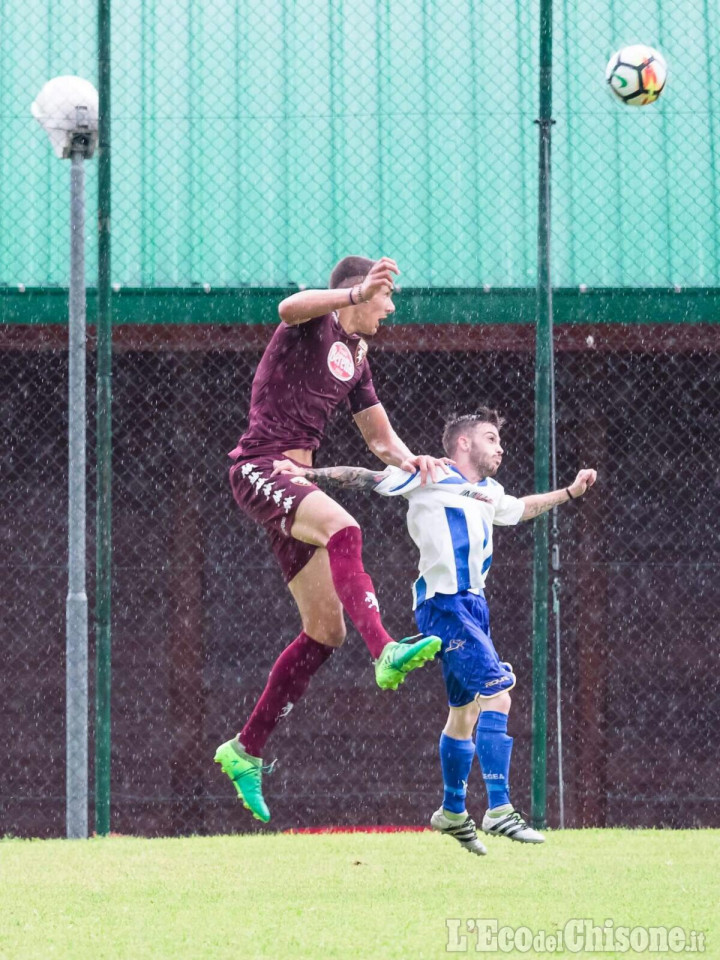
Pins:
x: 305, y: 372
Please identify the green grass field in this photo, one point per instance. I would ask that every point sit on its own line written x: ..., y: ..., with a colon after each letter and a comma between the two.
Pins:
x: 351, y: 896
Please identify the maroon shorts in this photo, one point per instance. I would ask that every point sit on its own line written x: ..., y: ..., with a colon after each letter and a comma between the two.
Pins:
x: 272, y: 502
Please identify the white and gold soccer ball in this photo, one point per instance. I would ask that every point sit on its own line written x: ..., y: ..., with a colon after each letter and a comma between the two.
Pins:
x: 637, y: 74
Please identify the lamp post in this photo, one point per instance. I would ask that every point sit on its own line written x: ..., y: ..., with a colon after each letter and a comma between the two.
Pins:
x: 67, y: 109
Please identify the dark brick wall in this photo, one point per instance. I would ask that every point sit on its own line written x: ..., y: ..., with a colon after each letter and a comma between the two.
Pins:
x: 200, y: 610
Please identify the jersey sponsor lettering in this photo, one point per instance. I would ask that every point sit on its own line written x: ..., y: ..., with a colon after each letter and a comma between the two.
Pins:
x: 476, y: 495
x: 340, y: 362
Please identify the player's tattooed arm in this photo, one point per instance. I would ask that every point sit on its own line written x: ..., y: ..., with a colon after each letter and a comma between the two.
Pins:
x: 540, y: 503
x: 350, y: 478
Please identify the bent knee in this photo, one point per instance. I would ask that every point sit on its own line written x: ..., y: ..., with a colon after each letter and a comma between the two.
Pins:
x: 328, y: 635
x: 318, y: 518
x: 334, y: 524
x: 329, y: 639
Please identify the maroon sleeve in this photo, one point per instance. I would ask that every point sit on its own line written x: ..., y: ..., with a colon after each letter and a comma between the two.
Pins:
x: 363, y: 393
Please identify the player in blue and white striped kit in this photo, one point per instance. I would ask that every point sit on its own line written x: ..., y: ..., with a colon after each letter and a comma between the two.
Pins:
x: 451, y: 522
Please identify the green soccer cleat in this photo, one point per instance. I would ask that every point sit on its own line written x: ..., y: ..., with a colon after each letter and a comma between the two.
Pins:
x: 246, y: 774
x: 398, y: 659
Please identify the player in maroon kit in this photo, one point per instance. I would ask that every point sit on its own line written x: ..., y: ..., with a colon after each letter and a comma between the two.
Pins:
x: 315, y: 360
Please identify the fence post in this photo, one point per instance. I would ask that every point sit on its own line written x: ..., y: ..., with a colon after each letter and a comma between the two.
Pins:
x: 103, y: 545
x: 543, y: 368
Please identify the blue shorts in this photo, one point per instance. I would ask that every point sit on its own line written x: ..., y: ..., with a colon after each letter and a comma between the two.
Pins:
x: 471, y: 666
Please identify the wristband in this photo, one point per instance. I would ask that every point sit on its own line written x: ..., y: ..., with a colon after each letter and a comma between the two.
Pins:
x: 567, y: 491
x: 350, y: 296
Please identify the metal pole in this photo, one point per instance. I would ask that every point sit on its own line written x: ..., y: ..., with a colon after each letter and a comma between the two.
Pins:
x: 77, y: 606
x: 556, y: 586
x: 103, y: 552
x: 543, y: 363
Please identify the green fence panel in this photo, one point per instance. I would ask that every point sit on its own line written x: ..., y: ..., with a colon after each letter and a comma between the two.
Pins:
x: 255, y: 144
x: 636, y: 188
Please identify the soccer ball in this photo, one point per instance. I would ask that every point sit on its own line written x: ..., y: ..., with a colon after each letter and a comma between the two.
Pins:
x: 636, y: 74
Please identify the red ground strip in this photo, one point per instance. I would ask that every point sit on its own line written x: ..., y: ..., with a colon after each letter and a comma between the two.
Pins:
x: 376, y: 829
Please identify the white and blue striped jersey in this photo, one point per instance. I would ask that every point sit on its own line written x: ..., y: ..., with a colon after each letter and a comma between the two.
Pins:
x: 451, y: 523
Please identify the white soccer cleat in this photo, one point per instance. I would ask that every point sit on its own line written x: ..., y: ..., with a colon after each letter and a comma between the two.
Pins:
x: 511, y: 824
x: 464, y: 831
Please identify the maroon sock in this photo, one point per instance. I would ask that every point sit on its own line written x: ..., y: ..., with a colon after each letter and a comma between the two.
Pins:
x: 355, y: 588
x: 288, y: 681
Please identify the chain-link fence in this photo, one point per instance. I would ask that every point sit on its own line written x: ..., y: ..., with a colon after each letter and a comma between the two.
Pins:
x: 636, y: 189
x: 200, y: 611
x: 252, y: 147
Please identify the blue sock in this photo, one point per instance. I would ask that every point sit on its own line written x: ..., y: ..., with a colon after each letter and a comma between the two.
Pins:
x: 456, y: 757
x: 493, y: 749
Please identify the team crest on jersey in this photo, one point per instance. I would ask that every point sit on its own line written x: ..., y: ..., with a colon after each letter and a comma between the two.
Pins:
x: 340, y: 362
x: 360, y: 352
x: 301, y: 481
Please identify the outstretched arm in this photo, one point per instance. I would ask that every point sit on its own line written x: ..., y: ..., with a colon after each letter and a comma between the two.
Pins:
x: 307, y: 304
x: 380, y: 437
x: 351, y: 478
x: 539, y: 503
